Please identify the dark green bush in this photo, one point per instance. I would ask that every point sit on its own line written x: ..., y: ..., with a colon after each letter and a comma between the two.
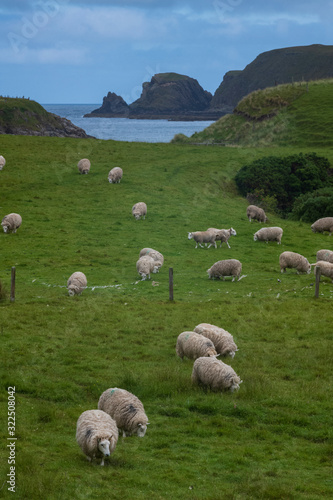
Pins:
x: 312, y: 206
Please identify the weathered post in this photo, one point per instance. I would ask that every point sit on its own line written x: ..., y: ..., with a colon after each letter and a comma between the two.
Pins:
x: 12, y: 286
x: 170, y: 283
x: 318, y: 273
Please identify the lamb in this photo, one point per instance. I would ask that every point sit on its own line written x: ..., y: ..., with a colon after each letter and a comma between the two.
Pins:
x: 223, y: 235
x: 223, y: 268
x: 126, y: 409
x: 325, y: 255
x: 96, y: 434
x: 256, y: 213
x: 321, y: 225
x: 326, y: 268
x: 193, y: 345
x: 146, y: 265
x: 214, y: 374
x: 269, y: 234
x: 115, y: 175
x: 84, y: 166
x: 2, y: 162
x: 154, y: 254
x: 223, y: 341
x: 11, y: 222
x: 203, y: 237
x: 139, y: 210
x: 294, y: 260
x: 76, y: 283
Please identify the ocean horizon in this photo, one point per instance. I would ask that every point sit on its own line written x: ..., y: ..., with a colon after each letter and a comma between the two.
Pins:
x: 124, y: 129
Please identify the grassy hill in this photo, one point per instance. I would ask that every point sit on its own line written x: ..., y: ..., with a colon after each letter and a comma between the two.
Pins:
x: 300, y: 114
x: 270, y: 440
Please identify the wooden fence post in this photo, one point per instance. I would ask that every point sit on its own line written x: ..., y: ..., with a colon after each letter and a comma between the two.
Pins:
x: 318, y: 273
x: 170, y: 283
x: 12, y: 285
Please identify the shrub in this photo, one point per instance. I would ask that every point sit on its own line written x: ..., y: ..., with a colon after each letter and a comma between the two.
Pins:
x: 312, y: 206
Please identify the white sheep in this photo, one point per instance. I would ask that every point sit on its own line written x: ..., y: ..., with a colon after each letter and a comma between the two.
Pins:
x: 139, y: 210
x: 2, y: 162
x: 193, y: 346
x: 146, y: 265
x: 293, y: 260
x: 126, y: 409
x: 223, y: 235
x: 223, y: 341
x: 326, y: 268
x: 324, y: 224
x: 96, y: 434
x: 269, y: 234
x: 214, y: 374
x: 115, y: 175
x: 76, y: 283
x: 256, y: 213
x: 223, y: 268
x: 325, y: 255
x: 84, y: 166
x: 154, y: 254
x: 203, y: 237
x: 11, y: 222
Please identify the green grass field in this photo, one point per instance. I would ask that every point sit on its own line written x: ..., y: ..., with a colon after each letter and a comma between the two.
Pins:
x: 270, y: 440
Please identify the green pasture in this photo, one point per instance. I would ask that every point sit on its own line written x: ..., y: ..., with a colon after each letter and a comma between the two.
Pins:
x: 270, y: 440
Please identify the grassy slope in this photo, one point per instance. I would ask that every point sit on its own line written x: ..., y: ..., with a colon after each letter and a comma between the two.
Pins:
x: 270, y: 440
x: 300, y: 118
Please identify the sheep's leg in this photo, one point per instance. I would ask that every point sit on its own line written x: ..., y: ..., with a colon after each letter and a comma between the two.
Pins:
x: 228, y: 244
x: 102, y: 461
x: 200, y: 245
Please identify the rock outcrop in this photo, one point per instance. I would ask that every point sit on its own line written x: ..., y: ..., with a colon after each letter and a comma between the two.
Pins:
x: 113, y: 106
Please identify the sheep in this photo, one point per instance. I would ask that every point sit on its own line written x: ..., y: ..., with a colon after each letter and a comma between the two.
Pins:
x: 2, y: 162
x: 76, y: 283
x: 115, y: 175
x: 193, y: 346
x: 146, y: 265
x: 223, y: 235
x: 269, y: 234
x: 294, y: 260
x: 139, y: 210
x: 256, y: 213
x: 84, y: 166
x: 96, y: 434
x: 326, y: 268
x: 223, y: 268
x: 154, y: 254
x: 214, y: 374
x: 11, y: 222
x: 126, y: 409
x: 223, y: 341
x: 321, y: 225
x: 325, y: 255
x: 203, y: 237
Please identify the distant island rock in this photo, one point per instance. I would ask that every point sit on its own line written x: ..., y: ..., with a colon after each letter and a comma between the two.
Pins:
x: 113, y: 106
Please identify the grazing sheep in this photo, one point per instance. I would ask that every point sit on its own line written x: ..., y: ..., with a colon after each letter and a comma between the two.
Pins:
x: 154, y: 254
x: 83, y: 166
x: 223, y: 341
x: 223, y: 268
x: 269, y: 234
x: 11, y: 222
x: 325, y: 255
x: 294, y: 260
x: 203, y: 237
x: 146, y: 265
x: 96, y: 434
x: 126, y: 409
x: 223, y: 235
x: 256, y: 213
x: 139, y: 210
x: 193, y: 346
x: 115, y: 175
x: 76, y: 283
x: 2, y: 162
x: 214, y: 374
x: 326, y: 268
x: 321, y: 225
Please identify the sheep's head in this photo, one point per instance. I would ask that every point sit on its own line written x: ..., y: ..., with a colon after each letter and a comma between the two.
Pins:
x: 5, y: 227
x: 233, y: 231
x: 141, y: 430
x: 255, y: 237
x: 136, y: 215
x: 104, y: 446
x: 71, y: 290
x: 190, y: 236
x: 157, y: 266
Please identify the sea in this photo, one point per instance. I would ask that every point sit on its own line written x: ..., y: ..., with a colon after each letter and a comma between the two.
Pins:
x: 124, y: 129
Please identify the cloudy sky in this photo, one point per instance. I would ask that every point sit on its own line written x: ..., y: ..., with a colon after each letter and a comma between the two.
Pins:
x: 75, y: 51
